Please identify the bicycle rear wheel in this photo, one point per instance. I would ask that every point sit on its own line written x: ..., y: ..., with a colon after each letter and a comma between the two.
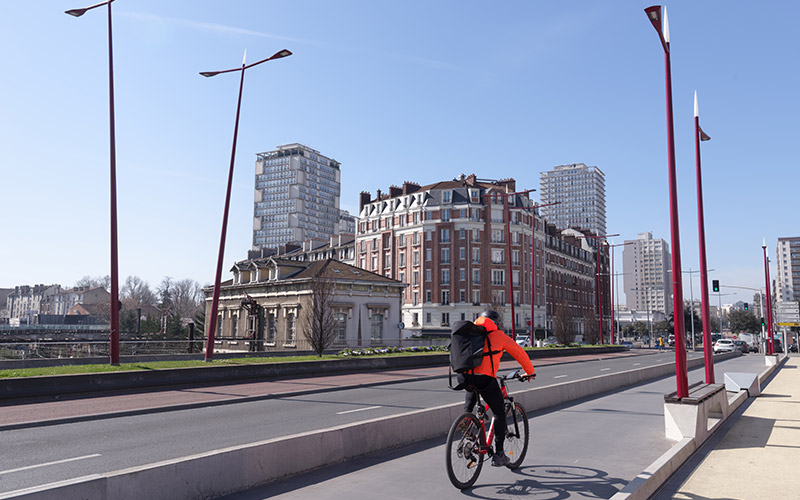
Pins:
x: 516, y: 442
x: 464, y: 460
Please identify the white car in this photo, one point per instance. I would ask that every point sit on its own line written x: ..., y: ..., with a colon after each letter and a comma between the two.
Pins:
x: 523, y: 340
x: 724, y: 345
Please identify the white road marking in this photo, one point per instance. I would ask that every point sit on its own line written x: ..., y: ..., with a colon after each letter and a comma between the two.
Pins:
x: 636, y: 364
x: 358, y: 409
x: 604, y: 369
x: 559, y: 376
x: 9, y: 471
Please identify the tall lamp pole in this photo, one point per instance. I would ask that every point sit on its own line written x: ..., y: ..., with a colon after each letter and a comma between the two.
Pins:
x: 613, y: 277
x: 533, y: 208
x: 598, y: 240
x: 708, y: 354
x: 654, y: 14
x: 770, y: 332
x: 114, y: 337
x: 212, y: 324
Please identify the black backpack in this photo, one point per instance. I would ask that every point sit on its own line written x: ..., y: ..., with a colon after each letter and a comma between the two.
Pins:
x: 466, y: 347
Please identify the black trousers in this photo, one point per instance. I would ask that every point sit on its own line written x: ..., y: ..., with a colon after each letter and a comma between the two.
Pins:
x: 489, y: 389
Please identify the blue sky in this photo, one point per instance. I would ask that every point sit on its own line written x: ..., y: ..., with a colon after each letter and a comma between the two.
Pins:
x: 395, y: 91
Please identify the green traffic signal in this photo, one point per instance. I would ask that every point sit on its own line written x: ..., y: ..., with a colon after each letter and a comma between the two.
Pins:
x: 746, y: 306
x: 715, y: 285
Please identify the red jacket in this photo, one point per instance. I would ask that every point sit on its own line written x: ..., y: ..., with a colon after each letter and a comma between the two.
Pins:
x: 498, y: 341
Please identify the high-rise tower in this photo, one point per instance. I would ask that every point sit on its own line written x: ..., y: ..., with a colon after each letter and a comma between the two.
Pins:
x: 581, y: 193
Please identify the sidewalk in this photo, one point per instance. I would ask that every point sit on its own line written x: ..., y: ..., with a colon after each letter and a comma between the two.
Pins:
x: 756, y: 457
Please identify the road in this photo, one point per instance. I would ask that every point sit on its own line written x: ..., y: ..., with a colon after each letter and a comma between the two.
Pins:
x: 588, y: 449
x: 49, y: 453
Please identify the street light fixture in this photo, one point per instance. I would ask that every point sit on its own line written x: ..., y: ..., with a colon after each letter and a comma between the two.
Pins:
x: 661, y: 25
x: 770, y: 332
x: 613, y: 278
x: 217, y: 279
x: 699, y: 135
x: 114, y: 306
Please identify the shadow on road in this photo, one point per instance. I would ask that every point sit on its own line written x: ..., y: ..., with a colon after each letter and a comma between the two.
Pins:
x: 552, y: 482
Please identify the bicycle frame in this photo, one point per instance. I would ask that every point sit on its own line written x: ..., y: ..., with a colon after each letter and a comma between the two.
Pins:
x: 483, y: 408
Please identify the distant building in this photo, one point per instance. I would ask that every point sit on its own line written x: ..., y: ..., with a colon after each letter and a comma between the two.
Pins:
x: 4, y: 311
x: 647, y: 274
x: 297, y: 193
x: 581, y: 195
x: 26, y: 302
x: 365, y: 306
x: 60, y: 303
x: 788, y: 279
x: 347, y: 223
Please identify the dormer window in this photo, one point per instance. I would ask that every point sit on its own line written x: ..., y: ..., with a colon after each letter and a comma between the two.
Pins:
x: 447, y: 196
x: 474, y: 195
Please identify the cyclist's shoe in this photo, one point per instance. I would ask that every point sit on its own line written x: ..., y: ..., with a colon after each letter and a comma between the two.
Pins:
x: 500, y: 460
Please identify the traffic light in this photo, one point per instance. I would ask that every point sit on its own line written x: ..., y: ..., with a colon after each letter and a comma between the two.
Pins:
x: 763, y: 323
x: 715, y: 285
x: 746, y: 306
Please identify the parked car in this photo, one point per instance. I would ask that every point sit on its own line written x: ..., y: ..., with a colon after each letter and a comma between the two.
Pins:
x: 523, y: 340
x: 627, y: 344
x: 724, y: 345
x: 742, y: 346
x: 778, y: 347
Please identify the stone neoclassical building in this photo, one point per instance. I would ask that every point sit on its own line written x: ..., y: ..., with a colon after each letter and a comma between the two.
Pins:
x: 264, y: 306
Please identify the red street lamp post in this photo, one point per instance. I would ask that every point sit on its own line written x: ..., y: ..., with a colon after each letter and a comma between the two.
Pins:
x: 114, y: 337
x: 708, y: 354
x: 770, y: 332
x: 599, y: 244
x: 212, y: 324
x: 532, y: 210
x: 612, y: 277
x: 655, y: 17
x: 507, y: 216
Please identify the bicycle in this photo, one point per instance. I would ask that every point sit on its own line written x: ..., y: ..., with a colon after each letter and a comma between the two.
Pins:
x: 469, y: 444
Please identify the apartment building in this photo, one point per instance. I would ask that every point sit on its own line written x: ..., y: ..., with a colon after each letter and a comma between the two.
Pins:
x: 571, y: 276
x: 788, y: 279
x: 647, y: 280
x: 297, y: 193
x: 581, y: 195
x: 452, y: 243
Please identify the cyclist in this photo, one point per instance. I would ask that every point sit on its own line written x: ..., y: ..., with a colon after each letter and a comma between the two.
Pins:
x: 484, y: 378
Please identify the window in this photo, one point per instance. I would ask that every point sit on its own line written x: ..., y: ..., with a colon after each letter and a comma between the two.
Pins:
x: 445, y: 255
x: 428, y: 296
x: 415, y: 300
x: 428, y: 235
x: 462, y: 253
x: 497, y: 256
x: 445, y: 214
x: 416, y: 217
x: 374, y: 243
x: 375, y: 263
x: 428, y: 275
x: 415, y: 240
x: 476, y: 297
x: 445, y: 319
x: 498, y: 277
x: 414, y: 319
x: 401, y: 276
x: 341, y: 327
x: 515, y: 257
x: 445, y: 297
x: 387, y: 261
x: 445, y: 235
x: 462, y: 297
x: 234, y: 326
x: 272, y: 328
x: 497, y: 236
x: 415, y: 277
x: 445, y: 276
x: 515, y: 278
x: 291, y: 329
x: 428, y: 318
x: 428, y: 254
x: 462, y: 233
x: 416, y: 257
x: 376, y: 332
x: 402, y: 259
x: 447, y: 196
x: 476, y: 276
x: 476, y: 255
x: 462, y: 274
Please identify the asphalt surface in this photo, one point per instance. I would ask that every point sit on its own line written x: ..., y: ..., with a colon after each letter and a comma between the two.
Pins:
x: 588, y: 449
x: 47, y: 452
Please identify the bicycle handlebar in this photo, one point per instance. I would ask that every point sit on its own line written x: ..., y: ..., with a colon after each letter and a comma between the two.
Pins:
x: 516, y: 375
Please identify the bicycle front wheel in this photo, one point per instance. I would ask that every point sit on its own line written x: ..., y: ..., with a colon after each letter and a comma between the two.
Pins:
x: 516, y: 442
x: 464, y: 460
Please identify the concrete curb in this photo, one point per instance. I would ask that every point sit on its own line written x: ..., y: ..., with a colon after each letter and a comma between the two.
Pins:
x: 221, y: 472
x: 656, y: 474
x: 21, y: 387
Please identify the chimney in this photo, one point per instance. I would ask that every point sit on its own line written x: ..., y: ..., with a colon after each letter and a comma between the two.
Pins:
x: 471, y: 179
x: 378, y: 195
x: 365, y: 198
x: 509, y: 184
x: 410, y: 187
x: 395, y: 191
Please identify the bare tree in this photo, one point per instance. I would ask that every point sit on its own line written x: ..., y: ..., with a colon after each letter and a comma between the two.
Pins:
x: 563, y: 324
x: 591, y: 331
x: 135, y: 292
x: 319, y: 326
x: 187, y: 297
x: 94, y: 282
